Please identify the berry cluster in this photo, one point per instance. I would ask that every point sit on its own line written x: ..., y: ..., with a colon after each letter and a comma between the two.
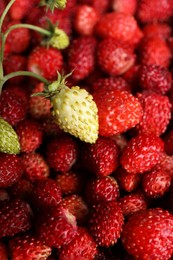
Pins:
x: 86, y: 141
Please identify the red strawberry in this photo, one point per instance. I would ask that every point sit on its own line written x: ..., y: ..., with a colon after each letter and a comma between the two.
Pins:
x: 13, y: 108
x: 100, y: 5
x: 46, y: 194
x: 70, y: 182
x: 162, y: 30
x: 120, y: 26
x: 114, y: 57
x: 21, y: 190
x: 142, y: 153
x: 15, y: 217
x: 35, y: 166
x: 76, y: 206
x: 18, y: 39
x: 3, y: 251
x: 155, y: 50
x: 2, y: 6
x: 62, y: 153
x: 156, y: 183
x: 45, y: 62
x: 106, y: 228
x: 128, y: 7
x: 11, y: 169
x: 132, y: 203
x: 166, y: 164
x: 102, y: 189
x: 152, y: 11
x: 85, y: 19
x: 156, y: 113
x: 81, y: 58
x: 28, y: 247
x: 20, y: 91
x: 111, y: 83
x: 119, y: 112
x: 127, y: 181
x: 56, y: 228
x: 30, y: 135
x: 81, y: 247
x: 149, y: 233
x: 50, y: 128
x: 155, y: 78
x: 39, y: 107
x: 21, y: 8
x: 101, y: 158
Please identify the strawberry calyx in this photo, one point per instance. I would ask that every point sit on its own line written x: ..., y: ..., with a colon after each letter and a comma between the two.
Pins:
x: 52, y: 4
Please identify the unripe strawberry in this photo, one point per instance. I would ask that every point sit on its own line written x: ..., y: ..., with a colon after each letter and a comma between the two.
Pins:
x: 9, y: 142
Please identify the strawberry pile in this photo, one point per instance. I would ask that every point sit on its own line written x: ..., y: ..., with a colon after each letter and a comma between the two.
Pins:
x: 86, y: 129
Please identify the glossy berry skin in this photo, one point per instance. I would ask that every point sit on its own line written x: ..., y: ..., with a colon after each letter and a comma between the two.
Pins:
x: 102, y: 189
x: 56, y: 228
x: 143, y: 237
x: 26, y: 246
x: 62, y: 153
x: 156, y: 113
x: 101, y: 158
x: 46, y: 194
x: 162, y: 30
x: 119, y: 112
x: 82, y: 246
x: 128, y: 7
x: 81, y: 57
x: 155, y: 78
x: 11, y: 169
x: 15, y: 217
x: 142, y: 153
x: 114, y: 57
x: 156, y: 183
x: 106, y: 228
x: 45, y: 62
x: 20, y: 9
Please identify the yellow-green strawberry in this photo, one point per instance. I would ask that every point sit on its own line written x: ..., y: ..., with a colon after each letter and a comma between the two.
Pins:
x: 9, y: 142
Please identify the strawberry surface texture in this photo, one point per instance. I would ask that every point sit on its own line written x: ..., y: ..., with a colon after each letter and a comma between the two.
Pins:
x: 86, y: 129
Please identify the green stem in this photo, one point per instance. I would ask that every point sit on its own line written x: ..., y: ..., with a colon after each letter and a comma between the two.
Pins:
x: 5, y: 13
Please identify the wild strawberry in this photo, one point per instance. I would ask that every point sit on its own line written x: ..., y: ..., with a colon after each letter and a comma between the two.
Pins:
x: 156, y: 183
x: 156, y: 113
x: 102, y: 189
x: 2, y: 6
x: 13, y: 109
x: 20, y: 91
x: 148, y: 11
x: 28, y: 247
x: 111, y: 83
x: 18, y: 39
x: 101, y: 158
x: 142, y: 153
x: 123, y: 6
x: 45, y: 62
x: 113, y: 57
x: 82, y: 246
x: 119, y: 112
x: 9, y: 142
x: 155, y: 50
x: 143, y: 237
x: 127, y: 181
x: 35, y: 166
x: 155, y: 78
x: 120, y: 26
x: 162, y: 30
x: 46, y: 194
x: 85, y: 19
x: 11, y: 169
x: 132, y: 203
x: 62, y: 152
x: 106, y: 228
x: 70, y: 182
x: 39, y: 107
x: 20, y: 9
x: 101, y: 6
x: 15, y: 217
x: 56, y: 228
x: 166, y: 164
x: 21, y: 190
x: 13, y: 63
x: 74, y: 110
x: 168, y: 142
x: 81, y: 57
x: 76, y: 206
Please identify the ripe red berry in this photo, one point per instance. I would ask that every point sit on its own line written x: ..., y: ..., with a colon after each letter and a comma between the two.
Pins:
x: 128, y: 7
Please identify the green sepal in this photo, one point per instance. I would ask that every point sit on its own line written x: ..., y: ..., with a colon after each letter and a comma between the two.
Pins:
x: 52, y: 4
